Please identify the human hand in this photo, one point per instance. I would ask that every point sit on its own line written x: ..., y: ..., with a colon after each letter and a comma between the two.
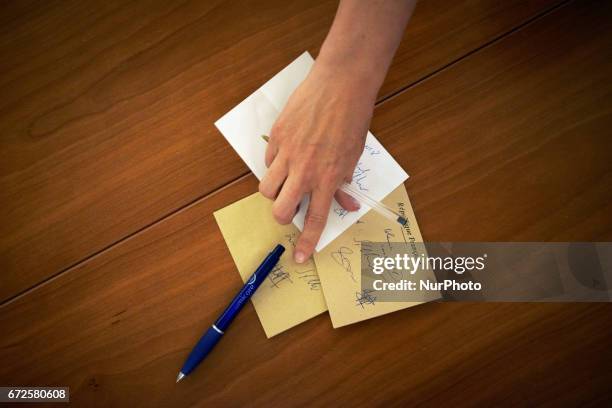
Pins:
x: 314, y: 147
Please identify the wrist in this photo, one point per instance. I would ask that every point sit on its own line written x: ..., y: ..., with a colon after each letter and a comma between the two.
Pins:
x: 351, y: 71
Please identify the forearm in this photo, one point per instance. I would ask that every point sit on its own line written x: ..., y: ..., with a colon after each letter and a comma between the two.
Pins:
x: 319, y: 136
x: 363, y: 39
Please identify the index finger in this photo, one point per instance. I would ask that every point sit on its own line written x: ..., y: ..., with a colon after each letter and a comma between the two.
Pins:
x: 314, y: 223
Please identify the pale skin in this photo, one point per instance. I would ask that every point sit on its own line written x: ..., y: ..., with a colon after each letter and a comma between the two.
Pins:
x: 318, y: 137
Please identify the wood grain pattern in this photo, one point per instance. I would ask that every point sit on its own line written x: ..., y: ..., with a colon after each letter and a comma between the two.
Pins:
x: 516, y: 140
x: 487, y: 162
x: 107, y: 109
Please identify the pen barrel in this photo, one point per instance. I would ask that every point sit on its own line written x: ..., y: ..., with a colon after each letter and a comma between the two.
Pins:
x: 249, y: 288
x: 201, y: 350
x: 377, y: 206
x: 215, y: 332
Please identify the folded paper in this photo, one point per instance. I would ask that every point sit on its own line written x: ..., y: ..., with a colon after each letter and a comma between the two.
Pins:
x: 292, y: 292
x: 339, y: 264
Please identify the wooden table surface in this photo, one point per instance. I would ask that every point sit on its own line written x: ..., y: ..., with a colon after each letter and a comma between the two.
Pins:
x: 112, y: 264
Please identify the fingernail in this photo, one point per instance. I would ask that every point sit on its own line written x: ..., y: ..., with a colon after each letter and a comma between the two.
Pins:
x: 356, y: 203
x: 300, y: 257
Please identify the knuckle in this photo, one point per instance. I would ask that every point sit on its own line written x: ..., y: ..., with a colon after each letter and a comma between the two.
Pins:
x: 305, y: 178
x: 278, y: 128
x: 333, y: 174
x: 270, y: 155
x: 281, y: 214
x: 265, y: 190
x: 316, y: 219
x: 306, y: 242
x: 301, y: 172
x: 308, y: 153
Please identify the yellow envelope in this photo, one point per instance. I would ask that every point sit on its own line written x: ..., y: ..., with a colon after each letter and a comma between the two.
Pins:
x: 339, y: 263
x: 292, y: 292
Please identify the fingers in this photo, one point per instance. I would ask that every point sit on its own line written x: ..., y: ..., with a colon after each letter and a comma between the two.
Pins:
x: 274, y: 179
x: 285, y: 205
x: 346, y: 201
x: 271, y: 151
x: 316, y: 217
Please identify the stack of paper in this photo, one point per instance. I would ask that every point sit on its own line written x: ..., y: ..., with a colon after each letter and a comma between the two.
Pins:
x: 295, y: 293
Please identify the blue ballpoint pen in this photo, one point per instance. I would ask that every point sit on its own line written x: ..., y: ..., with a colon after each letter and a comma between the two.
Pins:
x: 213, y: 335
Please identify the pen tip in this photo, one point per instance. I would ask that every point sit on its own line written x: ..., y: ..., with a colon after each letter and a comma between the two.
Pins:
x: 265, y: 138
x: 179, y: 377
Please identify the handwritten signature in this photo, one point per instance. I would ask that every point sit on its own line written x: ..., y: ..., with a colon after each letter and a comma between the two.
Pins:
x: 368, y: 250
x: 291, y: 238
x: 364, y: 298
x: 360, y: 175
x: 371, y: 150
x: 388, y: 235
x: 340, y: 212
x: 311, y: 278
x: 278, y: 275
x: 341, y: 258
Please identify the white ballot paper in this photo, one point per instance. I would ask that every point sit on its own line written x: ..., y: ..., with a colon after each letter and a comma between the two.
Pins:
x: 377, y: 174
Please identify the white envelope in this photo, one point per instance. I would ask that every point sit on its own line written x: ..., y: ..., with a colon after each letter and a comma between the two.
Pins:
x: 377, y: 174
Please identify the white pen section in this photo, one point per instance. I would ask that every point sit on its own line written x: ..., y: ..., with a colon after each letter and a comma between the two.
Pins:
x: 375, y: 205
